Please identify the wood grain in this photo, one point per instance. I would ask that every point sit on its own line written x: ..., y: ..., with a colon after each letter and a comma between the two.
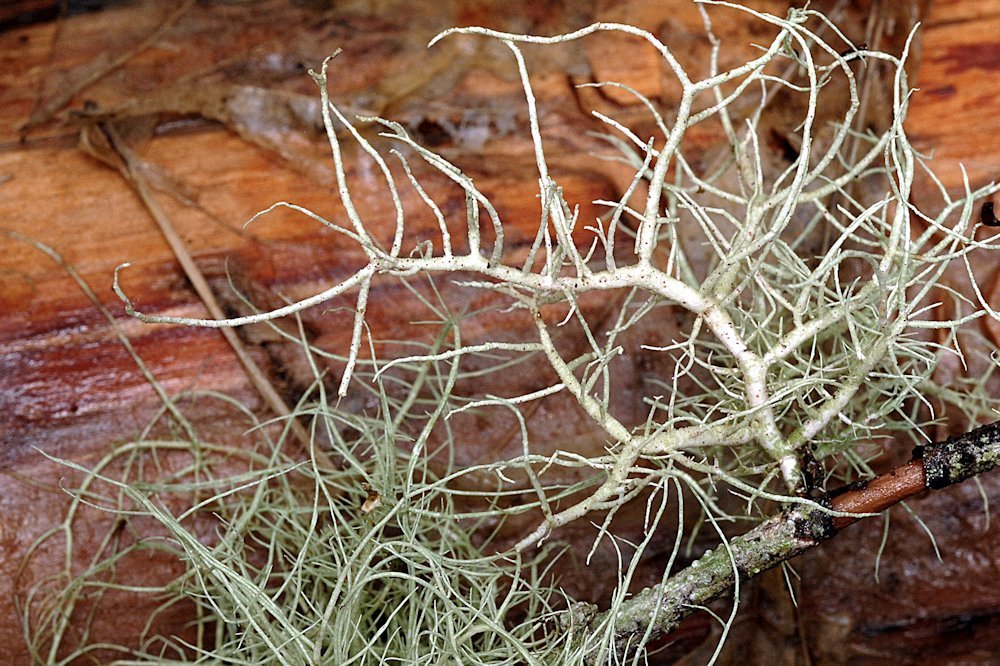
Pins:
x: 67, y: 387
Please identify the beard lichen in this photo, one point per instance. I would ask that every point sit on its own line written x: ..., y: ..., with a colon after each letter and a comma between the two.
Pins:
x: 789, y: 356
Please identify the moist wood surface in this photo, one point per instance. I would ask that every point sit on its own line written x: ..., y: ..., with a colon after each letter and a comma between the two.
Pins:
x: 234, y: 113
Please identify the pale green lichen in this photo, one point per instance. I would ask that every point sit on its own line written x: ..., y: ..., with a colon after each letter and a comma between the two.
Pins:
x: 788, y: 349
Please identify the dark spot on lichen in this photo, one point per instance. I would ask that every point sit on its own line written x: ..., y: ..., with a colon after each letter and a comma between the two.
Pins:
x: 814, y: 524
x: 813, y: 474
x: 852, y: 53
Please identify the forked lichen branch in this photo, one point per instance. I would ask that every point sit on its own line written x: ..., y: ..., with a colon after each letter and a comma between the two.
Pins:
x: 754, y: 252
x: 791, y: 350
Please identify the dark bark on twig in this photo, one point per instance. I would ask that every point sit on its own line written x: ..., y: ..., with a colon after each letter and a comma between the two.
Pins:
x: 800, y: 527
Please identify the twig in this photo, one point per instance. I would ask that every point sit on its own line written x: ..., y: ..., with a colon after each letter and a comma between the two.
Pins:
x: 659, y: 609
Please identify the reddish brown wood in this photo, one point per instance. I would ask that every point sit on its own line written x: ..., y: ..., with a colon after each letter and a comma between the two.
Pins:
x: 67, y: 387
x: 880, y: 493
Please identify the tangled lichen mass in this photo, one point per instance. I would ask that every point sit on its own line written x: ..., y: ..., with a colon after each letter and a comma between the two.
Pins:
x: 791, y: 353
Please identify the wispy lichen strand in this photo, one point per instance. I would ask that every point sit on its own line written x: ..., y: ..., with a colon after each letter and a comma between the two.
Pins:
x: 789, y: 350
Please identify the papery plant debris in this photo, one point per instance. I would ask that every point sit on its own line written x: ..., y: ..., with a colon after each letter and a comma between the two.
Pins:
x: 792, y: 356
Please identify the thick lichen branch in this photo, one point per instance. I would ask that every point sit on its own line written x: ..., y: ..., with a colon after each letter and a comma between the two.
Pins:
x: 785, y: 342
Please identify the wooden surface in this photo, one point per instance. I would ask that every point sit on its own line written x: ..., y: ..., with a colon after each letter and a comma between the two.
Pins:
x: 227, y: 88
